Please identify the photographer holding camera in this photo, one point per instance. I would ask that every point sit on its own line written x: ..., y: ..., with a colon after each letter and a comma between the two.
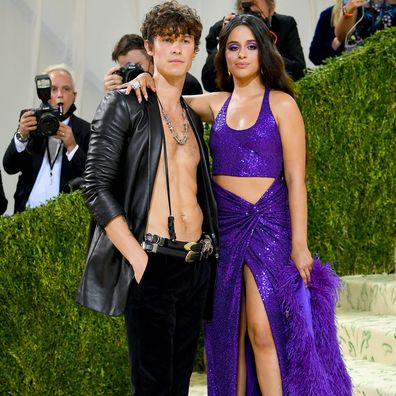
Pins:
x: 133, y: 59
x: 50, y: 145
x: 283, y: 28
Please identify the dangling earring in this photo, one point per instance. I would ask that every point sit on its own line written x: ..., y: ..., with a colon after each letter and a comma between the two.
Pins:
x: 229, y: 73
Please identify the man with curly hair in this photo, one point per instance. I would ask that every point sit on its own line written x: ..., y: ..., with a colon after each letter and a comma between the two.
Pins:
x: 148, y: 189
x: 130, y: 49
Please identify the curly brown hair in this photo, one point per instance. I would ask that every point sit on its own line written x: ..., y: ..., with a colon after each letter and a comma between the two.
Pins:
x: 172, y: 19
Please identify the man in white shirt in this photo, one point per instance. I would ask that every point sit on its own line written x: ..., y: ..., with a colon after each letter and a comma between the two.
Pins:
x: 48, y: 164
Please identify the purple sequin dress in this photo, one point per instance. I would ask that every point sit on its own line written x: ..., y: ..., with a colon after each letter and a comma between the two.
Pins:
x: 259, y: 235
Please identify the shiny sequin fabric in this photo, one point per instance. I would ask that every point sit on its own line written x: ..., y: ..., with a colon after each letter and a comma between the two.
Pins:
x: 302, y: 320
x: 256, y: 151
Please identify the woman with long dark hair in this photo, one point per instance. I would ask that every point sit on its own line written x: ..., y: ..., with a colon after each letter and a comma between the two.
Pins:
x: 273, y: 327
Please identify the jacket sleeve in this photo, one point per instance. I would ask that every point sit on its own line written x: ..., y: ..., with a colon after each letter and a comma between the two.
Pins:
x: 14, y: 162
x: 291, y: 50
x: 77, y: 163
x: 109, y: 136
x: 3, y: 199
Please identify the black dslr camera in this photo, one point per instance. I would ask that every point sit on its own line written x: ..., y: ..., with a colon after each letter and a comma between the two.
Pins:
x: 246, y: 5
x: 48, y: 117
x: 129, y: 72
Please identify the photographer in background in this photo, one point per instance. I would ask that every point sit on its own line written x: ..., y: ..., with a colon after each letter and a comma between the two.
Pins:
x: 283, y: 27
x: 130, y: 52
x: 52, y: 161
x: 3, y: 199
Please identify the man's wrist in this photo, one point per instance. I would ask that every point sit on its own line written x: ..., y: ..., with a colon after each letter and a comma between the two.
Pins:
x: 70, y: 152
x: 20, y: 137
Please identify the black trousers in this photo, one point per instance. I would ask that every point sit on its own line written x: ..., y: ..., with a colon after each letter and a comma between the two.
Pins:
x: 163, y: 319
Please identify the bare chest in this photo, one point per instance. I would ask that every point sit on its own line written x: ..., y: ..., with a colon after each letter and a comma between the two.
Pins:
x: 181, y: 157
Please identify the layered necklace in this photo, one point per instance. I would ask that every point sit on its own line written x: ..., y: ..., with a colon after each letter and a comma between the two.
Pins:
x: 179, y: 140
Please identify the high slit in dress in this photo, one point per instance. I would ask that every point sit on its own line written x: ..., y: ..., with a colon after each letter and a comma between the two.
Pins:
x: 258, y: 235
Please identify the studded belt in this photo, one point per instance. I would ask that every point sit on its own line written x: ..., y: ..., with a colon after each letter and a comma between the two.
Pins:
x: 188, y: 251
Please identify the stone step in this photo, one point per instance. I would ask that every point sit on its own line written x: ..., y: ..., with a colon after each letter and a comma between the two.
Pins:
x: 198, y: 385
x: 374, y: 293
x: 367, y: 336
x: 368, y: 378
x: 371, y: 379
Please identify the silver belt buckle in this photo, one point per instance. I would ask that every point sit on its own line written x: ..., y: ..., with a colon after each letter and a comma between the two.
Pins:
x: 207, y: 246
x: 149, y: 247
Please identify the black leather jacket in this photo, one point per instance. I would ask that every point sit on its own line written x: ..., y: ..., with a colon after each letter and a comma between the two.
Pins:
x: 3, y: 199
x: 122, y: 161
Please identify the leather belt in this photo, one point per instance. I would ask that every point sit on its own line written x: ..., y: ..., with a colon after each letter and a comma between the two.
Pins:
x: 188, y: 251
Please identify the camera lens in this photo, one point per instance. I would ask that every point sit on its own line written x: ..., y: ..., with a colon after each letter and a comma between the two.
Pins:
x: 48, y: 124
x: 131, y: 70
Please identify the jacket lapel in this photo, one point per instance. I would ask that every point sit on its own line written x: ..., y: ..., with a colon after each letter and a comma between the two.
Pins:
x: 155, y: 134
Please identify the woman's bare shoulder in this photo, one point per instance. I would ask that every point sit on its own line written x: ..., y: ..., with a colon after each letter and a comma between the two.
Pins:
x: 281, y: 102
x: 283, y: 106
x: 281, y: 98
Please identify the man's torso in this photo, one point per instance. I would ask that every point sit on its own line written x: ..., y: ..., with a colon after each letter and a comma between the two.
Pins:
x: 183, y: 161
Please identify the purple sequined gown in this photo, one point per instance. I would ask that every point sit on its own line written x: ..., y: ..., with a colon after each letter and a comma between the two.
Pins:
x: 259, y: 235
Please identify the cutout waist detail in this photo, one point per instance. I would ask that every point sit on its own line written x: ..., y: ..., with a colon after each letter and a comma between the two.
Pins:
x: 250, y: 189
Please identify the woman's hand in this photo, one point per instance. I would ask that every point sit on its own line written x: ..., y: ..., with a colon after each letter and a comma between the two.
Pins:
x: 335, y: 44
x: 303, y: 261
x: 352, y: 5
x: 140, y: 84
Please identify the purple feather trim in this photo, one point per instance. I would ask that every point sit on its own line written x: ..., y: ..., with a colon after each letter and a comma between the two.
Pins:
x: 315, y: 364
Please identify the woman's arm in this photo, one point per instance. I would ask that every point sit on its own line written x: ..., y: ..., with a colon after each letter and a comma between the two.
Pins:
x: 205, y: 105
x: 291, y: 128
x: 348, y: 18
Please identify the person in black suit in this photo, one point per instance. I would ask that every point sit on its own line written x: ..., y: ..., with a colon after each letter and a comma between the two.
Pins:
x: 284, y: 29
x: 3, y: 199
x: 130, y: 49
x: 48, y: 165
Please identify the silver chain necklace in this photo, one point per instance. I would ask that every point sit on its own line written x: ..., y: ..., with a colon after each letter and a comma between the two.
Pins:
x: 179, y: 140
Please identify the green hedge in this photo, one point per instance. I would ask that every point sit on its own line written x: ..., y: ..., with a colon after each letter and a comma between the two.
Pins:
x: 349, y: 108
x: 51, y: 346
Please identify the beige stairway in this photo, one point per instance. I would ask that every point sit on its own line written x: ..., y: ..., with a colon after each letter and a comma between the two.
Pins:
x: 366, y: 317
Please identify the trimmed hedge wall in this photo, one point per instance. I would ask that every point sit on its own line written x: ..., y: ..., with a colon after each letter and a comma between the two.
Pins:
x: 51, y: 346
x: 349, y: 108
